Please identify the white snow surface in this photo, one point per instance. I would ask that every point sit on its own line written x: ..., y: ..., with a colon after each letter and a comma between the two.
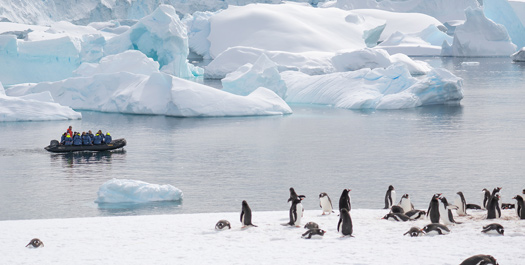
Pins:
x: 519, y: 56
x: 192, y: 239
x: 136, y: 191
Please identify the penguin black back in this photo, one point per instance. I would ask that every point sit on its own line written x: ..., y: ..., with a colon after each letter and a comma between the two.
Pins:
x: 35, y: 242
x: 494, y: 227
x: 246, y: 215
x: 493, y: 210
x: 388, y: 197
x: 344, y: 226
x: 520, y: 206
x: 486, y: 198
x: 344, y: 201
x: 480, y: 260
x: 433, y: 209
x: 293, y: 195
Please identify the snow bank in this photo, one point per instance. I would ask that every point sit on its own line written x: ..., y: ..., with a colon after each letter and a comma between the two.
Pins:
x: 288, y: 27
x: 33, y: 107
x: 248, y: 78
x: 192, y: 239
x: 390, y: 88
x: 519, y: 56
x: 135, y: 191
x: 479, y: 36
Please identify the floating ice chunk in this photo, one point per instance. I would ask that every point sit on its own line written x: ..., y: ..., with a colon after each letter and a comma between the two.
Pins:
x: 135, y: 191
x: 519, y: 56
x: 470, y: 63
x: 247, y: 78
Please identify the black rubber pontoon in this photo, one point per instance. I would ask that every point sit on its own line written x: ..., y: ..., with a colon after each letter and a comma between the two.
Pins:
x: 55, y: 147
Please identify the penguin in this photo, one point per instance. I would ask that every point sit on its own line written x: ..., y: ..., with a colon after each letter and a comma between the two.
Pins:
x: 486, y: 198
x: 473, y: 206
x: 520, y: 207
x: 495, y: 192
x: 480, y: 260
x: 433, y: 209
x: 311, y: 225
x: 415, y: 214
x: 493, y: 228
x: 313, y: 232
x: 397, y: 209
x: 507, y: 206
x: 293, y: 195
x: 461, y: 204
x: 344, y: 200
x: 445, y: 213
x: 35, y: 243
x: 390, y: 197
x: 399, y: 217
x: 246, y: 215
x: 435, y: 229
x: 405, y: 203
x: 296, y: 212
x: 414, y: 232
x: 493, y: 210
x: 325, y: 203
x: 344, y: 226
x: 223, y: 224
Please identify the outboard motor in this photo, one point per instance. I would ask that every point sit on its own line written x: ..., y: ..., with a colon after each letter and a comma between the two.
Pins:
x: 53, y: 143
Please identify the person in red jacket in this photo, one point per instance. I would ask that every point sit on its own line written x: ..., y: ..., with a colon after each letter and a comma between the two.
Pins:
x: 70, y: 131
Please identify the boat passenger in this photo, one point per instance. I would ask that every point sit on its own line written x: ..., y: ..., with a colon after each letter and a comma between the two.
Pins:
x: 63, y: 138
x: 91, y: 136
x: 70, y: 131
x: 97, y: 139
x: 107, y: 139
x: 68, y: 140
x: 77, y: 139
x: 86, y: 140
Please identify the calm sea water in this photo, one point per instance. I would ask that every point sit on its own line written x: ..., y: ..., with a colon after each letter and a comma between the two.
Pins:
x: 218, y: 162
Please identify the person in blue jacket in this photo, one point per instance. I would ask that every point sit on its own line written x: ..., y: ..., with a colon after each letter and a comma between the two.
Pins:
x: 86, y: 140
x: 63, y: 138
x: 107, y: 139
x: 68, y: 140
x: 77, y: 139
x: 97, y: 139
x: 91, y: 135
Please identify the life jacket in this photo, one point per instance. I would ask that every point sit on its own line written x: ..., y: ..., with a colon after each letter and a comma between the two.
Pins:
x: 68, y: 140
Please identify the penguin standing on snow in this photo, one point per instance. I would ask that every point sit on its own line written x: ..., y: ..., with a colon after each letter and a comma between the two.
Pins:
x: 406, y: 204
x: 520, y: 206
x: 344, y: 200
x: 445, y: 212
x: 493, y: 210
x: 480, y: 259
x: 325, y: 203
x: 296, y: 212
x: 390, y: 197
x: 433, y: 209
x: 246, y: 215
x: 461, y: 204
x: 344, y: 226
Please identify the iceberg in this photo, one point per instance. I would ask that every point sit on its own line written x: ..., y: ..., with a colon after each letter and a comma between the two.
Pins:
x: 135, y: 191
x: 364, y: 58
x: 501, y: 12
x: 428, y: 42
x: 380, y: 88
x: 248, y: 78
x: 519, y: 56
x: 198, y: 27
x: 479, y: 36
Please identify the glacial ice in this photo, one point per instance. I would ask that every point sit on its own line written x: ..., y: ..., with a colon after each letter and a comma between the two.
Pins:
x: 519, y: 56
x: 136, y: 191
x: 501, y: 12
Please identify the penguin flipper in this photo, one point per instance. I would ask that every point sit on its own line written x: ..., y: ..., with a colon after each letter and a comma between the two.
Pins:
x: 242, y: 215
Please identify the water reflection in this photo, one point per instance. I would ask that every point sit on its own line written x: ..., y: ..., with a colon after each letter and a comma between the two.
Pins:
x: 111, y: 209
x: 79, y: 158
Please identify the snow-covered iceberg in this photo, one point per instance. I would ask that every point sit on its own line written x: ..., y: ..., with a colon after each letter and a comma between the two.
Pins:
x: 427, y: 42
x: 33, y: 107
x: 479, y: 36
x: 135, y: 191
x: 519, y: 56
x: 501, y: 12
x: 390, y: 88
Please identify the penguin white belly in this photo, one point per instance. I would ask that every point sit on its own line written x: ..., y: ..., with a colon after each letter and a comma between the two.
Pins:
x: 406, y: 205
x: 299, y: 208
x: 461, y: 211
x: 393, y: 195
x: 443, y: 214
x: 326, y: 205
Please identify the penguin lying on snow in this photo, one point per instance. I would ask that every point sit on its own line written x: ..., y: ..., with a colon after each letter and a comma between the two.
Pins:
x: 313, y: 232
x: 480, y: 259
x: 325, y: 203
x: 414, y: 232
x: 223, y: 224
x: 311, y: 225
x: 397, y: 209
x: 435, y: 228
x: 493, y: 229
x: 399, y: 217
x: 35, y: 242
x: 415, y: 214
x: 390, y: 197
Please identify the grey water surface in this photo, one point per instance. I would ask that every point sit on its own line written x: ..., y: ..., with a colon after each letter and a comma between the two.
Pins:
x: 218, y: 162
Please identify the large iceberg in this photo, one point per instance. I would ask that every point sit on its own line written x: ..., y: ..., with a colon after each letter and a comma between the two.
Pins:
x: 380, y: 88
x: 479, y: 36
x: 501, y: 12
x: 135, y: 191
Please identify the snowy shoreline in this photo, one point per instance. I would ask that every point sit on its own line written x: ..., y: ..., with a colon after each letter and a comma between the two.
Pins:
x: 192, y: 239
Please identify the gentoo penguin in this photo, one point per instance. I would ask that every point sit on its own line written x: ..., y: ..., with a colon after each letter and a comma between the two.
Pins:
x: 390, y: 197
x: 399, y: 217
x: 344, y: 200
x: 223, y: 224
x: 246, y: 215
x: 405, y: 203
x: 520, y: 206
x: 507, y: 206
x: 493, y: 210
x: 445, y: 213
x: 414, y: 232
x: 415, y: 214
x: 493, y: 229
x: 293, y: 195
x: 35, y: 242
x: 433, y: 209
x: 480, y: 260
x: 397, y: 209
x: 296, y: 212
x: 311, y: 225
x: 344, y: 226
x: 325, y: 203
x: 435, y: 229
x: 461, y: 204
x: 486, y: 198
x: 473, y: 206
x: 313, y: 232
